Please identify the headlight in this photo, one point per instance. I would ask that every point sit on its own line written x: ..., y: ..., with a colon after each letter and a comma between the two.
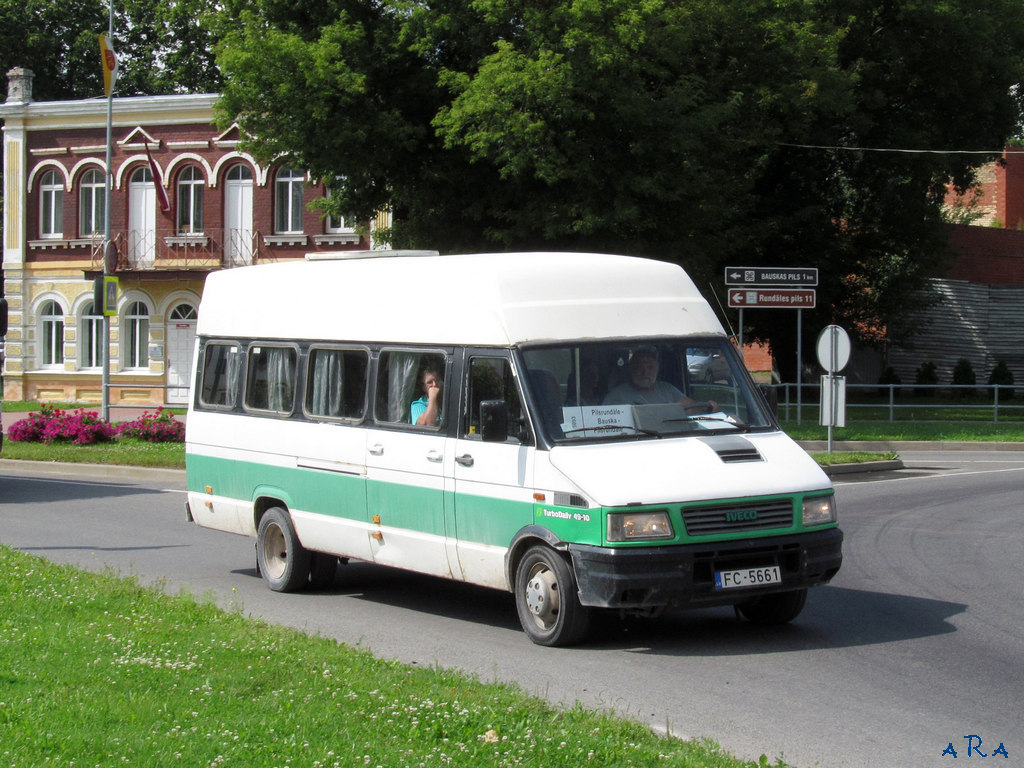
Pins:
x: 639, y: 526
x: 819, y: 510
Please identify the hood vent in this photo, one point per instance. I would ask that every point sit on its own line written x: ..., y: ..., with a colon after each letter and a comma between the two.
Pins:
x: 732, y: 448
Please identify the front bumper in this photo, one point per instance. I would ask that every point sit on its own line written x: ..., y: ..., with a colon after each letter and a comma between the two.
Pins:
x: 684, y: 575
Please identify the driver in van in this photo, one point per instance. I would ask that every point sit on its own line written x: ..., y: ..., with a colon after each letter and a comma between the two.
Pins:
x: 644, y: 387
x: 426, y: 412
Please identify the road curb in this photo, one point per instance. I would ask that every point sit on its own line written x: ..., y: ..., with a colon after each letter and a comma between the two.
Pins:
x: 863, y: 466
x: 105, y: 471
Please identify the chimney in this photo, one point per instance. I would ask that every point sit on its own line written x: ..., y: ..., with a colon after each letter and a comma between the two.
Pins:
x: 19, y: 85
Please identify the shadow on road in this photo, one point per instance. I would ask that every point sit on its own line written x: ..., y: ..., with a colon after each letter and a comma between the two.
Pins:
x: 835, y: 617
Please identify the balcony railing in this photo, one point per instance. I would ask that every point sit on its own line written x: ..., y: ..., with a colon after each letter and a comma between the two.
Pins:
x: 158, y: 250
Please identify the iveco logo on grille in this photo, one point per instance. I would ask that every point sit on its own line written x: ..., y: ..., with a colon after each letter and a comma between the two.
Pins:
x: 740, y: 515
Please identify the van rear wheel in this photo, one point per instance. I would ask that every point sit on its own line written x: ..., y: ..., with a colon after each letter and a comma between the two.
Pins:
x: 778, y: 608
x: 546, y: 599
x: 322, y: 570
x: 283, y: 562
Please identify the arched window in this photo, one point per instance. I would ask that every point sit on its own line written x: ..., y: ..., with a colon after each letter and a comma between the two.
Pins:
x: 52, y: 334
x: 90, y: 337
x: 91, y: 203
x: 183, y: 312
x: 51, y: 205
x: 240, y: 172
x: 135, y: 339
x: 190, y: 201
x: 288, y: 201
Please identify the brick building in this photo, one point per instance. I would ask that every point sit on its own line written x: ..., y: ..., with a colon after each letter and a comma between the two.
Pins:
x: 980, y: 312
x: 223, y: 210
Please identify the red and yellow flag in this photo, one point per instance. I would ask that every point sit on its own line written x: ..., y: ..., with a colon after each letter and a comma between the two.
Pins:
x: 109, y: 65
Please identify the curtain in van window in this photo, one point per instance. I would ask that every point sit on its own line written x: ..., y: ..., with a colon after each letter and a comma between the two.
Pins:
x: 402, y: 369
x: 280, y: 378
x: 328, y: 375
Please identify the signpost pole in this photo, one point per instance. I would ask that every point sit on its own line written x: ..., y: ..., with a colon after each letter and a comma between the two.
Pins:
x: 799, y: 365
x: 109, y: 179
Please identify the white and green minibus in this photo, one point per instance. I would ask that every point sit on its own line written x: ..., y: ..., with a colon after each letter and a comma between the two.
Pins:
x: 574, y: 428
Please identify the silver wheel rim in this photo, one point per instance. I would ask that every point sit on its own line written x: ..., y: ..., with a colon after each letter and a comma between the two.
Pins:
x: 275, y: 551
x: 542, y: 596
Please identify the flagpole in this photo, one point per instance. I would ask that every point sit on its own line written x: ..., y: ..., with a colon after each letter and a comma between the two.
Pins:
x: 106, y: 230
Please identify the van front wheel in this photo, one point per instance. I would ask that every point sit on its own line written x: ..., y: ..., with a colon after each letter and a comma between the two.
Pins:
x: 283, y: 562
x: 546, y: 599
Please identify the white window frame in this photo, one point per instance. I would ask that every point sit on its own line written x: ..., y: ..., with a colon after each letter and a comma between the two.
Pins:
x: 51, y: 206
x: 51, y: 335
x: 135, y: 337
x: 191, y: 186
x: 90, y: 338
x: 91, y: 201
x: 289, y: 208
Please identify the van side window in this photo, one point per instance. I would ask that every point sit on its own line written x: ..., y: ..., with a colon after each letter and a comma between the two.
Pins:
x: 490, y: 378
x: 400, y: 390
x: 336, y: 383
x: 220, y: 371
x: 270, y: 378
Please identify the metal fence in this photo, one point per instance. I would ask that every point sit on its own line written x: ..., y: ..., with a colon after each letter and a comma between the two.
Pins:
x: 900, y: 402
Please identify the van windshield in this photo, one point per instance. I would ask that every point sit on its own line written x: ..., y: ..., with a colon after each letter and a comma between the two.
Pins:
x: 646, y: 388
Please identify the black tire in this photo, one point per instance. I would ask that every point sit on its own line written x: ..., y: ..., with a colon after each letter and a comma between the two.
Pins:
x: 778, y: 608
x: 283, y: 562
x: 546, y: 599
x: 322, y: 570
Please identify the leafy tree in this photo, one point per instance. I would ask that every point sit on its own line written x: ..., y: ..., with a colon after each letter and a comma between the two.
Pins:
x: 57, y: 40
x: 705, y: 132
x: 163, y: 46
x: 1002, y: 375
x: 926, y: 374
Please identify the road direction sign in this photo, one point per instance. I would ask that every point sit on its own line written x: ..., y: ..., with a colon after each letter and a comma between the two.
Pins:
x: 771, y: 275
x: 772, y: 298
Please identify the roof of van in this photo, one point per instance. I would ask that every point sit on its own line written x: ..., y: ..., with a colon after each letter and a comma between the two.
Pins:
x: 480, y: 299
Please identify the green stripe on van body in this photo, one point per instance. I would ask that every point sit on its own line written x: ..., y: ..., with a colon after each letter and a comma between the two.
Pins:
x: 323, y: 492
x: 480, y: 519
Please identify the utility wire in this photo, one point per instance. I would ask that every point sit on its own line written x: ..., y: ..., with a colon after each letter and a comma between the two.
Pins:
x: 909, y: 151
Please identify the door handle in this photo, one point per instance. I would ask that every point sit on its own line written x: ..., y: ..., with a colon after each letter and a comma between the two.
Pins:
x: 433, y: 455
x: 376, y: 449
x: 465, y: 460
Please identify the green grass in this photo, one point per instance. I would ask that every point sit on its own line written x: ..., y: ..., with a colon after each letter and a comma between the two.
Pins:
x: 970, y: 431
x: 128, y: 451
x: 98, y: 671
x: 853, y: 457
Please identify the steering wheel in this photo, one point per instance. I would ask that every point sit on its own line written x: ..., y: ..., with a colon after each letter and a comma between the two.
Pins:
x: 700, y: 406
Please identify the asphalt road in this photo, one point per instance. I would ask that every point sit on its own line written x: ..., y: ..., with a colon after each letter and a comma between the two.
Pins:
x: 917, y: 644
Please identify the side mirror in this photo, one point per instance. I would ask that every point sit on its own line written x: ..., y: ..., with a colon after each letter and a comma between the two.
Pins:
x: 493, y: 421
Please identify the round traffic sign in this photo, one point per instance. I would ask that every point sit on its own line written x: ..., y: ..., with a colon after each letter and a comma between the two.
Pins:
x: 833, y: 348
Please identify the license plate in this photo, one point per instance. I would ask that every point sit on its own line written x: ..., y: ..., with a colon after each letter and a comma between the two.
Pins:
x: 747, y: 577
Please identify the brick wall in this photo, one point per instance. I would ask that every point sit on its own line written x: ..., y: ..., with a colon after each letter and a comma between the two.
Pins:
x: 987, y: 255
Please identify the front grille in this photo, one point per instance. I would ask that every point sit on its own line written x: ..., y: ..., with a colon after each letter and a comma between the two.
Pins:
x: 738, y: 518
